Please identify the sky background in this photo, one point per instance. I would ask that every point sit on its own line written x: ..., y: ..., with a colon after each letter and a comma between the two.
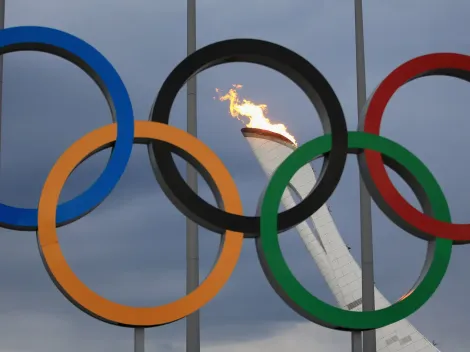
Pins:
x: 132, y: 248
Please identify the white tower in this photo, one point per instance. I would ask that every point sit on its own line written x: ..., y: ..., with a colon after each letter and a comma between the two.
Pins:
x: 324, y: 243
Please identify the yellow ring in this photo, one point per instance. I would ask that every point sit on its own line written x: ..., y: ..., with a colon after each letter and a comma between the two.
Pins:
x: 80, y: 294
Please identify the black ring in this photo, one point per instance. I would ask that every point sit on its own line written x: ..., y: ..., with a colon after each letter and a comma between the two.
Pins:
x: 294, y: 67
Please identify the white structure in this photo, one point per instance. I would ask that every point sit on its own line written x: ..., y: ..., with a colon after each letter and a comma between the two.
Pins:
x: 327, y: 248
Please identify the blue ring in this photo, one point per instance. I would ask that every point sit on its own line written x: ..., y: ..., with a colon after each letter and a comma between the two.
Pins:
x: 103, y: 73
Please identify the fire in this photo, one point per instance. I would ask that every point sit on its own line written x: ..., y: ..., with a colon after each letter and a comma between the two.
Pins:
x: 254, y: 112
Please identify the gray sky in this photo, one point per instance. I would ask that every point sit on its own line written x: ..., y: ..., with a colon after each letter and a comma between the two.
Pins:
x: 132, y: 248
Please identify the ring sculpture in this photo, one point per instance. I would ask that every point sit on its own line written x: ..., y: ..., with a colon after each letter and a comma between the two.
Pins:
x: 374, y: 152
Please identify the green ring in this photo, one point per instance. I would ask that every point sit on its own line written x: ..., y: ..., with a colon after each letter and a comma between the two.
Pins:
x: 285, y: 283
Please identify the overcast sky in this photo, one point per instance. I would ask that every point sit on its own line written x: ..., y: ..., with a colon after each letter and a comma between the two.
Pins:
x: 132, y: 248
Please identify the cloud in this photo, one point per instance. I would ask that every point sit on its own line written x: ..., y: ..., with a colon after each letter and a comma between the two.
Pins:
x: 131, y: 248
x: 295, y: 337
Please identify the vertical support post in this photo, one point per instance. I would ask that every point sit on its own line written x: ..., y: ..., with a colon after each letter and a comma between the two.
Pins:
x: 367, y: 252
x: 139, y: 340
x: 192, y: 240
x: 356, y: 341
x: 2, y: 26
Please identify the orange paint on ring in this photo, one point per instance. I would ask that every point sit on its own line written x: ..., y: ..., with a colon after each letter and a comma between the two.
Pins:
x: 81, y: 294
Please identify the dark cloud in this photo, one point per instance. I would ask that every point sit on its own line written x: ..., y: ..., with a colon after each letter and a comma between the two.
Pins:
x: 131, y: 249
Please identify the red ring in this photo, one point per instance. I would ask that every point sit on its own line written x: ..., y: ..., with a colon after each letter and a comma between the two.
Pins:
x: 412, y: 69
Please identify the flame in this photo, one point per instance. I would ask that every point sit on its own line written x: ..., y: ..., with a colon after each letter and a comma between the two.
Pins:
x: 254, y: 112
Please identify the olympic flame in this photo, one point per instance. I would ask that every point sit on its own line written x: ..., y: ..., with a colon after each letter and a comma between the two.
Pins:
x: 255, y: 113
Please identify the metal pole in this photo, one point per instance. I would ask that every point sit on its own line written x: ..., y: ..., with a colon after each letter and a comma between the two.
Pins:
x: 139, y: 340
x: 356, y: 341
x: 367, y: 252
x: 193, y: 343
x: 2, y: 26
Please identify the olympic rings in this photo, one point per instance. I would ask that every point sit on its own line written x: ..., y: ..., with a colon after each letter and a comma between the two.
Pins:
x: 88, y: 59
x: 294, y: 294
x: 381, y: 188
x: 76, y: 290
x: 301, y: 72
x: 433, y: 225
